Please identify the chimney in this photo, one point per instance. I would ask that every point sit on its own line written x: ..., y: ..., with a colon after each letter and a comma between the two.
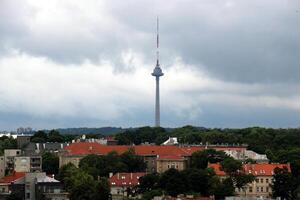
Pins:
x: 118, y: 175
x: 131, y: 175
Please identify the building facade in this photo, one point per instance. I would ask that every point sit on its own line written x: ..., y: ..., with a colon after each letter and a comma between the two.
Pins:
x: 261, y: 186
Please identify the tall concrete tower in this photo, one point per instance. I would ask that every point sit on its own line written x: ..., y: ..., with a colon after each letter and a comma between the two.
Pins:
x: 157, y: 72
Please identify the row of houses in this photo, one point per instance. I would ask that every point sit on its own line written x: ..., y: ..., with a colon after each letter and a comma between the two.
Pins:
x: 161, y: 158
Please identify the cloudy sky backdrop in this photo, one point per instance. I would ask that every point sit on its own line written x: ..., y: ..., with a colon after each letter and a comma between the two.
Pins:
x: 74, y: 63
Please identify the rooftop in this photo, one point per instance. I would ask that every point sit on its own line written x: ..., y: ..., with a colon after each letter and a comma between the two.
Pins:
x: 85, y: 148
x: 126, y: 179
x: 12, y: 178
x: 259, y: 169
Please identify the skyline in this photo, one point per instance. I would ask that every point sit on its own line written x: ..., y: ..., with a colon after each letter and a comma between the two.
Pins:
x: 86, y: 64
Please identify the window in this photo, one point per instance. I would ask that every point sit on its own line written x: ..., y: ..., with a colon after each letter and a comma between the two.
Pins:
x: 256, y: 180
x: 267, y: 189
x: 261, y: 180
x: 28, y: 195
x: 257, y: 189
x: 250, y: 189
x: 267, y: 180
x: 262, y: 189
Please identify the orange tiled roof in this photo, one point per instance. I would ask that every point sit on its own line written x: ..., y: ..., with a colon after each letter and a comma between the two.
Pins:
x: 85, y: 148
x: 217, y: 168
x: 12, y: 178
x: 259, y: 169
x: 126, y: 179
x: 170, y: 157
x: 263, y: 169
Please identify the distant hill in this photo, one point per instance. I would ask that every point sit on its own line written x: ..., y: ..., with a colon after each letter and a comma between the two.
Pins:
x: 84, y: 130
x: 102, y: 130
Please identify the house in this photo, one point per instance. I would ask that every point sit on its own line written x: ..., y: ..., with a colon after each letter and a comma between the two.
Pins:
x: 32, y: 186
x: 49, y: 188
x: 123, y: 184
x: 247, y: 154
x: 261, y: 186
x: 11, y: 183
x: 163, y: 163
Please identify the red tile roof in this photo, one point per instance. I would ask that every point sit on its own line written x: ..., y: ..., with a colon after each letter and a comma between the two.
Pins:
x: 12, y: 178
x: 170, y: 157
x: 217, y: 168
x: 259, y: 169
x: 85, y: 148
x: 126, y: 179
x: 264, y: 169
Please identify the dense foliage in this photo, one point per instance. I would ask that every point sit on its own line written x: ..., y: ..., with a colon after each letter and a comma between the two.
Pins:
x: 7, y: 143
x: 100, y: 166
x: 55, y: 136
x: 82, y: 185
x: 201, y: 182
x: 50, y: 163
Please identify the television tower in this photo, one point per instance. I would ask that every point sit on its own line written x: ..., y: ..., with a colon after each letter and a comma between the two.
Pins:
x: 157, y: 72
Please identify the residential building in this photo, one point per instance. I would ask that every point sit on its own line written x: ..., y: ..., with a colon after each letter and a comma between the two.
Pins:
x: 39, y: 148
x: 38, y: 184
x: 28, y: 164
x: 73, y: 153
x: 2, y: 167
x: 23, y: 140
x: 261, y: 186
x: 123, y: 184
x: 247, y: 154
x: 12, y: 183
x: 49, y: 188
x: 163, y: 163
x: 9, y: 157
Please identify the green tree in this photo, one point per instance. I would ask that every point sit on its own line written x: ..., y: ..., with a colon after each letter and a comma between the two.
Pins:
x: 39, y: 137
x: 55, y: 136
x: 283, y: 185
x: 148, y: 182
x: 82, y: 186
x: 200, y: 159
x: 133, y: 162
x: 66, y: 171
x: 233, y: 168
x: 50, y: 163
x: 172, y: 182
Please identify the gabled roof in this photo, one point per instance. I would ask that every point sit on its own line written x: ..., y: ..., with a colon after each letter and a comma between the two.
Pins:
x: 12, y: 178
x: 85, y: 148
x: 264, y: 169
x: 259, y: 169
x: 126, y: 179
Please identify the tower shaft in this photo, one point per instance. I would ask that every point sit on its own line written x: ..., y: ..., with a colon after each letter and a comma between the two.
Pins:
x: 157, y: 105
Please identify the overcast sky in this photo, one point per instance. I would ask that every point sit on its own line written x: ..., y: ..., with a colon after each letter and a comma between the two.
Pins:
x: 74, y: 63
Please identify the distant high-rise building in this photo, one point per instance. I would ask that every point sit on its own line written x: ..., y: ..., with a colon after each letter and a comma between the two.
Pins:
x: 157, y: 72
